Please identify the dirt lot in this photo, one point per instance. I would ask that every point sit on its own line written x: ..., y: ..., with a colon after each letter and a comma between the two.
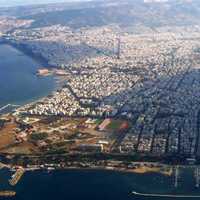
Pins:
x: 7, y: 136
x: 23, y: 148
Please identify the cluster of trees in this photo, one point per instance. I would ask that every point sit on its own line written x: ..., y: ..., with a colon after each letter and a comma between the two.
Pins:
x: 38, y: 136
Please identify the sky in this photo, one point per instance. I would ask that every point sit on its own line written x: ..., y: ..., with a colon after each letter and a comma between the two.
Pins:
x: 6, y: 3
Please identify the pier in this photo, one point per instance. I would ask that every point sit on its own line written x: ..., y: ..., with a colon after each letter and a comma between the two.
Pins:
x: 197, y: 176
x: 176, y: 181
x: 165, y: 195
x: 16, y: 177
x: 7, y: 193
x: 176, y: 176
x: 8, y: 105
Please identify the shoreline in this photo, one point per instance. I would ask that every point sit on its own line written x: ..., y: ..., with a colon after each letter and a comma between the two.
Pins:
x: 158, y: 170
x: 41, y: 61
x: 134, y: 191
x: 106, y: 169
x: 23, y: 48
x: 12, y: 106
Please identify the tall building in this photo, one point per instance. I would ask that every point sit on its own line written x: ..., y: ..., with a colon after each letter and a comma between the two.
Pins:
x: 119, y: 48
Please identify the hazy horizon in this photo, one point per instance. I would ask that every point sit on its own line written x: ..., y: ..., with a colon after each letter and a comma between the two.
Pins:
x: 10, y: 3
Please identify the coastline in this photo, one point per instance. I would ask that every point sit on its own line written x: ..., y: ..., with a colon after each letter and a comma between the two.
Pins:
x: 133, y: 190
x: 158, y: 170
x: 10, y: 107
x: 132, y: 180
x: 58, y: 85
x: 26, y: 51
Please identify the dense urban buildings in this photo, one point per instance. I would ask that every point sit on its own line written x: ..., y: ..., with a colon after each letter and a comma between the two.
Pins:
x: 144, y: 79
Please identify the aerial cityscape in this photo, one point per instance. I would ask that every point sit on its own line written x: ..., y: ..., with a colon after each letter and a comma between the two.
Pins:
x: 125, y: 94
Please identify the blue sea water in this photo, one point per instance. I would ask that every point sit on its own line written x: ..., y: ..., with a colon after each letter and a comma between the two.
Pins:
x: 18, y: 82
x: 96, y: 185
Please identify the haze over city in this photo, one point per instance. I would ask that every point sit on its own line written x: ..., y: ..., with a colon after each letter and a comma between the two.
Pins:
x: 11, y: 3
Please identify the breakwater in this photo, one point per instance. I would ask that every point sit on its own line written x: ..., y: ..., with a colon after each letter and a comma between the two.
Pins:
x: 8, y: 106
x: 165, y: 195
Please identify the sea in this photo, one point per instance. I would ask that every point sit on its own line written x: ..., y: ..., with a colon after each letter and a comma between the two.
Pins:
x: 97, y: 185
x: 19, y: 83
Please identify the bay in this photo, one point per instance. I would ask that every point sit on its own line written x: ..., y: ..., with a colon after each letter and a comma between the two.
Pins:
x: 18, y: 81
x: 97, y: 185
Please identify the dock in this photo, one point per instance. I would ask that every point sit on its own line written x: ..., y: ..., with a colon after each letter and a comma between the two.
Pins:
x: 165, y: 195
x: 176, y: 176
x: 197, y: 176
x: 7, y: 193
x: 17, y: 176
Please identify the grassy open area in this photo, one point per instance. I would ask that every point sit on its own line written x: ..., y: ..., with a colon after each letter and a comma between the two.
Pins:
x: 38, y: 136
x: 98, y: 121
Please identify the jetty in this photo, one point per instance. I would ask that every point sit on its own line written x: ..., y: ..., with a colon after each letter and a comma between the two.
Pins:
x: 197, y: 177
x: 165, y: 195
x: 7, y: 193
x: 17, y: 176
x: 8, y: 105
x: 176, y: 176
